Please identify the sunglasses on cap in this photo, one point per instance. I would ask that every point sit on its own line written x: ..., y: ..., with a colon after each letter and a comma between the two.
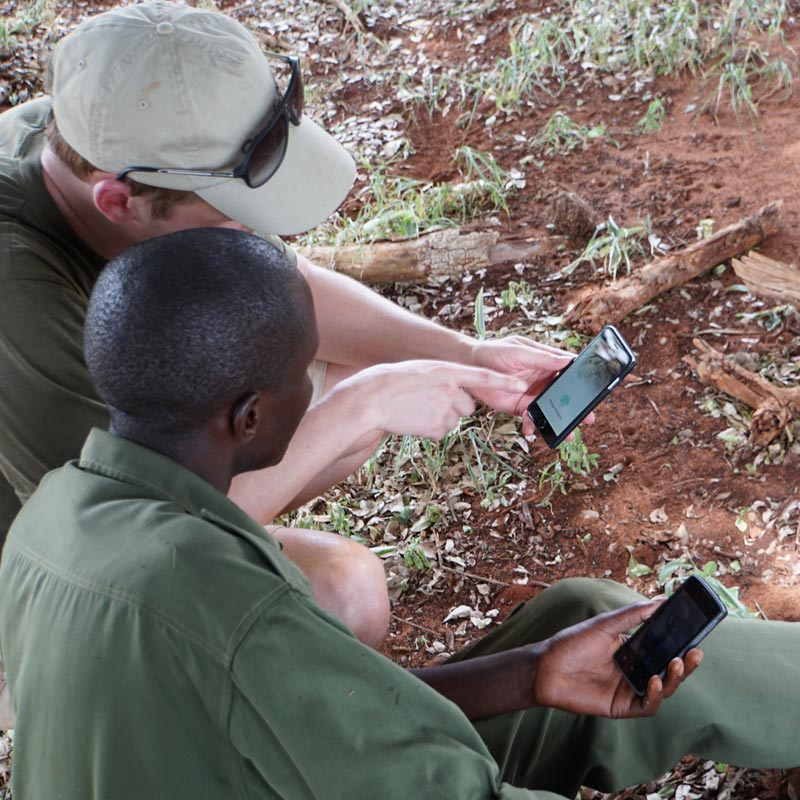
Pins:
x: 264, y: 152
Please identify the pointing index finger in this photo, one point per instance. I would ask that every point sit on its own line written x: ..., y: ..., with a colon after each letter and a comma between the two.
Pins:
x: 480, y: 378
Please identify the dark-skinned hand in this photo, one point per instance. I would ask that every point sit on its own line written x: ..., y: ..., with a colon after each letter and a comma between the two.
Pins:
x: 576, y: 670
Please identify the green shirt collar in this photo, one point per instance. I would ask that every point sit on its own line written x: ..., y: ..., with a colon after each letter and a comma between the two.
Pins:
x: 106, y: 454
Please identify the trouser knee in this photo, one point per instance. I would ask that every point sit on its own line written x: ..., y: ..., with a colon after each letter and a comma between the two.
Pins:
x: 573, y: 600
x: 566, y: 603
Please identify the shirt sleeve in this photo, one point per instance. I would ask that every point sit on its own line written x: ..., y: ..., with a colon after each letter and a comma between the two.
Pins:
x: 48, y: 403
x: 316, y: 714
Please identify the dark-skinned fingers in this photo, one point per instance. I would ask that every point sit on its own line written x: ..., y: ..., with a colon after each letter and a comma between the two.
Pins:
x: 675, y: 674
x: 691, y: 661
x: 651, y: 702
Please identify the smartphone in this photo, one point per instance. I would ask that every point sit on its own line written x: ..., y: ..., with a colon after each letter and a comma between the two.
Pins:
x: 680, y: 624
x: 581, y: 385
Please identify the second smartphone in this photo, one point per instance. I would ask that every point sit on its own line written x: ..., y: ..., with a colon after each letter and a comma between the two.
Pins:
x: 680, y: 624
x: 581, y: 385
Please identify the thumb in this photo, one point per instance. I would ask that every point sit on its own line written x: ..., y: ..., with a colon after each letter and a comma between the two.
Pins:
x: 624, y: 619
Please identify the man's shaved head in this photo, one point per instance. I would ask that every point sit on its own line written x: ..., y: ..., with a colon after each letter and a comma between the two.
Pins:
x: 182, y: 324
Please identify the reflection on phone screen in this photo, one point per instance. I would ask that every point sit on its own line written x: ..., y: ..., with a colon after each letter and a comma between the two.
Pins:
x: 668, y: 635
x: 603, y: 360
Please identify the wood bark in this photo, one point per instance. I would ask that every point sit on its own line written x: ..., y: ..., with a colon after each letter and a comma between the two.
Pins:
x: 771, y: 279
x: 441, y: 253
x: 595, y: 306
x: 775, y: 406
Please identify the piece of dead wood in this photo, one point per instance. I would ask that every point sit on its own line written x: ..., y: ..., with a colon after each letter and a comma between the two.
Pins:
x: 765, y: 277
x: 775, y: 406
x: 593, y: 307
x: 445, y: 252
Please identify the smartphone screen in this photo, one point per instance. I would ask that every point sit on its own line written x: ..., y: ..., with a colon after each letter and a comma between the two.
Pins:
x: 579, y: 387
x: 675, y: 628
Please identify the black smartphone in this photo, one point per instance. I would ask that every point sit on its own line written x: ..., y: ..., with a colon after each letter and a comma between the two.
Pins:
x: 680, y: 624
x: 581, y: 385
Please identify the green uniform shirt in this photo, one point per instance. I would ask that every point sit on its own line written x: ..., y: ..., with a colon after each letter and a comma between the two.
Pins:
x: 159, y: 645
x: 47, y: 402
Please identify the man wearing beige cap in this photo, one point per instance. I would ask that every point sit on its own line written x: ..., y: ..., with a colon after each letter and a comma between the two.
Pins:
x: 165, y: 117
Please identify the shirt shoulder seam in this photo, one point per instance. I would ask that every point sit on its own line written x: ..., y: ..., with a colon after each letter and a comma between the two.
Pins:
x: 225, y: 656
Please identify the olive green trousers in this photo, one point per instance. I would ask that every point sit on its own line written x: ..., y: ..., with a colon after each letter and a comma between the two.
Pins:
x: 740, y: 707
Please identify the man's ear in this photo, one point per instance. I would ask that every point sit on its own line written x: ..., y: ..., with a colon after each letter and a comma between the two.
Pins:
x: 113, y: 199
x: 246, y: 417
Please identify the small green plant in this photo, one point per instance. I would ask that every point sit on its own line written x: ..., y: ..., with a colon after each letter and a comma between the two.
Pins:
x: 741, y: 519
x: 574, y: 459
x: 399, y: 207
x: 432, y: 516
x: 489, y: 472
x: 481, y: 168
x: 517, y: 292
x: 532, y: 68
x: 742, y: 77
x: 414, y: 556
x: 770, y: 318
x: 635, y: 568
x: 614, y: 246
x: 677, y: 570
x: 34, y: 14
x: 560, y: 135
x: 705, y: 228
x: 653, y: 118
x: 554, y: 478
x: 342, y: 521
x: 430, y: 94
x: 479, y: 319
x: 576, y: 456
x: 8, y: 35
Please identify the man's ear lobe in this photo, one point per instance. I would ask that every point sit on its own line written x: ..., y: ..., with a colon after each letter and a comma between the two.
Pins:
x: 246, y: 416
x: 112, y: 199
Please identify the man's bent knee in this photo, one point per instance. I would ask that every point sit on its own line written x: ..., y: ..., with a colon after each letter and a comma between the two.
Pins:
x: 346, y: 579
x: 573, y: 600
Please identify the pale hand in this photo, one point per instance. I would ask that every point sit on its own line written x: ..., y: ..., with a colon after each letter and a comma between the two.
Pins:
x: 534, y: 363
x: 425, y: 398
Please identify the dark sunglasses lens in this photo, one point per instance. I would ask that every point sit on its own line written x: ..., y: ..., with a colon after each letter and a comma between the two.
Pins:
x: 296, y: 98
x: 268, y: 153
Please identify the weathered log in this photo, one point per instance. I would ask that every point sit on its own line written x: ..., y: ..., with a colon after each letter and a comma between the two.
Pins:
x: 594, y: 306
x: 775, y: 406
x: 767, y: 278
x: 445, y: 252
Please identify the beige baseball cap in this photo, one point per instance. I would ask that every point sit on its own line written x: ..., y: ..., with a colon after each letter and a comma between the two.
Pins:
x: 164, y: 85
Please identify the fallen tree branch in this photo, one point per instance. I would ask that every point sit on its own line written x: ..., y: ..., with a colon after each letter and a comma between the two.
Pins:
x: 441, y: 253
x: 767, y: 278
x: 775, y: 406
x: 494, y: 581
x: 593, y: 307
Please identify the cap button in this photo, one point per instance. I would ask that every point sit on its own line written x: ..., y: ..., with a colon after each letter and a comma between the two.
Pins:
x: 164, y: 28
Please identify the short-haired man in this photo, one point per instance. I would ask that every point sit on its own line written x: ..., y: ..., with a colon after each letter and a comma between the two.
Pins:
x: 159, y: 644
x: 164, y: 117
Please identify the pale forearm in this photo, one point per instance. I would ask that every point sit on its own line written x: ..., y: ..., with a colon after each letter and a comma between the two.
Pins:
x: 358, y: 327
x: 330, y: 433
x: 418, y: 398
